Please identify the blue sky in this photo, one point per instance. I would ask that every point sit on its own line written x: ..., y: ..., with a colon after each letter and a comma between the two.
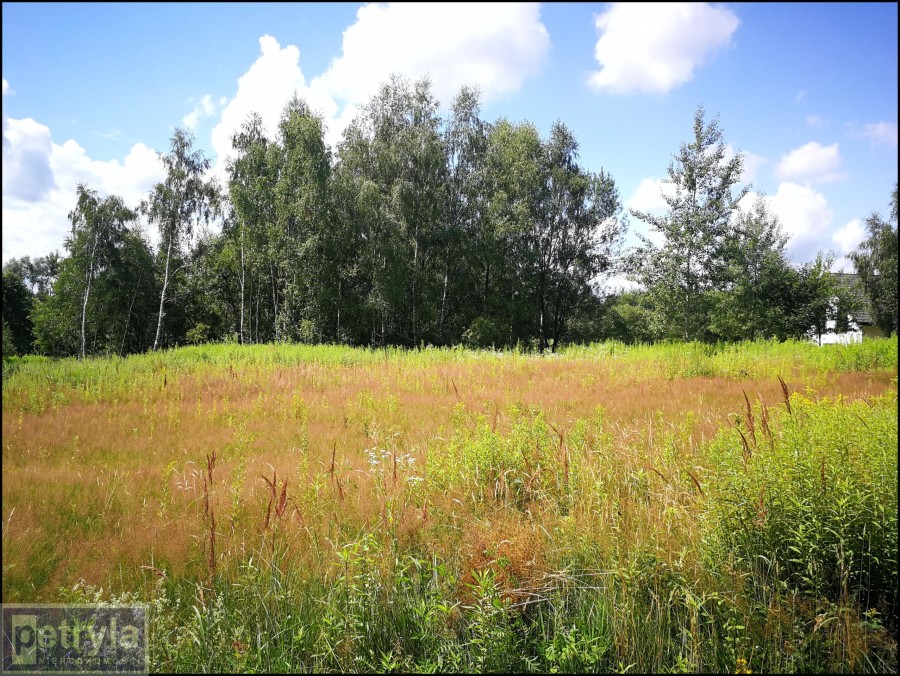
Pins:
x: 808, y: 92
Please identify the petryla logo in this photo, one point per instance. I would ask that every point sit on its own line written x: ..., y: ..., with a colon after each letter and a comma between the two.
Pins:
x: 74, y: 639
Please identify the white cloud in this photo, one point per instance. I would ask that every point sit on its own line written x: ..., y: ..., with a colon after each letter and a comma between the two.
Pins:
x: 493, y: 46
x: 648, y: 196
x: 800, y: 95
x: 27, y: 176
x: 882, y: 132
x: 655, y: 47
x: 847, y: 239
x: 619, y: 283
x: 265, y: 89
x: 811, y: 163
x: 752, y: 163
x: 805, y: 218
x: 206, y: 107
x: 849, y: 236
x: 39, y: 181
x: 496, y: 46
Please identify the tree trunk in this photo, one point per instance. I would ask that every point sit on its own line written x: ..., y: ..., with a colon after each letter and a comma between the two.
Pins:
x: 444, y: 293
x: 162, y: 296
x: 242, y: 286
x: 274, y: 302
x: 87, y: 293
x: 128, y: 319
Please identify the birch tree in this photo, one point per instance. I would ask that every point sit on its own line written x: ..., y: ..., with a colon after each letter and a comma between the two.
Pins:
x: 579, y: 234
x: 251, y: 187
x: 176, y: 205
x: 98, y: 232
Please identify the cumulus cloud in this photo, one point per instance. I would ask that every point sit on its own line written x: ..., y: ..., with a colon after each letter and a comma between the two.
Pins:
x: 648, y: 196
x: 884, y: 133
x: 496, y: 46
x: 27, y: 176
x: 655, y: 47
x: 265, y: 89
x: 39, y: 181
x: 805, y: 218
x: 811, y: 163
x: 847, y: 239
x: 619, y: 283
x: 752, y: 164
x: 493, y: 46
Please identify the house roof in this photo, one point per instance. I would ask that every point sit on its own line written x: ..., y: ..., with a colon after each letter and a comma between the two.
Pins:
x: 852, y: 283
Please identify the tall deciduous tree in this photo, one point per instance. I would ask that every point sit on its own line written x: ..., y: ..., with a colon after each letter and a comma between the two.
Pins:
x: 876, y: 264
x: 102, y: 295
x: 393, y: 151
x: 577, y: 236
x: 98, y: 232
x: 756, y: 298
x: 693, y: 256
x: 518, y: 193
x: 465, y: 251
x: 304, y: 248
x: 184, y: 198
x: 251, y: 187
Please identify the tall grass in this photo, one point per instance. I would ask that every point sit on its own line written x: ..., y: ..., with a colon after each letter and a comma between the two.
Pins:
x: 30, y: 382
x: 611, y: 509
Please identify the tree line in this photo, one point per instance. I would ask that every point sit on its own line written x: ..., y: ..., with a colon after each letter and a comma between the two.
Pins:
x: 420, y: 230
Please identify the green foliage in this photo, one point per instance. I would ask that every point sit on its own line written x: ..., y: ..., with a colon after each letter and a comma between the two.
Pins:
x: 629, y: 317
x: 198, y: 334
x: 809, y: 499
x: 184, y: 199
x: 532, y: 463
x: 876, y: 264
x: 102, y: 295
x: 17, y: 306
x: 693, y: 257
x: 418, y: 230
x: 759, y: 295
x: 720, y: 273
x: 484, y: 332
x: 9, y: 347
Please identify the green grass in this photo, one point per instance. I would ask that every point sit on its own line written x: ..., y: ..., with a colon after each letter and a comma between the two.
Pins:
x: 31, y: 382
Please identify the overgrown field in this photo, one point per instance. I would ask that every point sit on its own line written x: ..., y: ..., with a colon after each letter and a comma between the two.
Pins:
x: 611, y: 508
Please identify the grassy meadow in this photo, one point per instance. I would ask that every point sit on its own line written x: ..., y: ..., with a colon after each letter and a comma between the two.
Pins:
x: 669, y: 508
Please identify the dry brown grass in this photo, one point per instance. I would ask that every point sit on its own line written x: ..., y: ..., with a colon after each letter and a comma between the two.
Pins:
x: 104, y: 488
